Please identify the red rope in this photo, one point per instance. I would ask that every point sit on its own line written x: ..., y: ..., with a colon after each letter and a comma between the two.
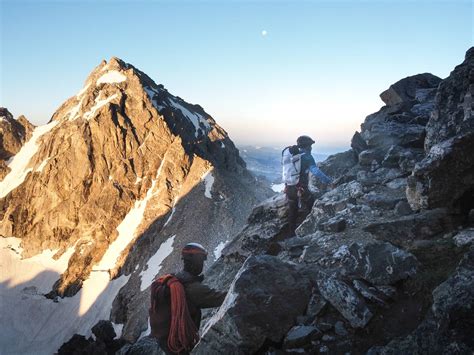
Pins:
x: 183, y: 333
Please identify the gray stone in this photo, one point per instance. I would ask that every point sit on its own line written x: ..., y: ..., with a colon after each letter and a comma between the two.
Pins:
x: 340, y: 330
x: 398, y: 183
x: 378, y: 263
x: 339, y: 164
x: 358, y: 143
x: 368, y: 156
x: 453, y: 114
x: 345, y: 300
x: 257, y: 307
x: 301, y: 335
x: 316, y: 304
x: 147, y: 345
x: 454, y: 298
x: 464, y: 237
x: 335, y: 225
x: 403, y: 208
x: 369, y: 293
x: 406, y: 89
x: 445, y: 177
x: 104, y: 330
x: 424, y: 225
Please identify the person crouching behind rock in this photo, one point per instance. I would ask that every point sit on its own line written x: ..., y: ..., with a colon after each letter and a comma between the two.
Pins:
x: 177, y: 300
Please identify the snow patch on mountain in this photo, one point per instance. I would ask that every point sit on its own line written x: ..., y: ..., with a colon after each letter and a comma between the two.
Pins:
x: 218, y: 249
x: 42, y: 165
x: 99, y: 103
x: 195, y: 118
x: 83, y: 90
x: 111, y: 77
x: 19, y: 163
x: 153, y: 266
x: 208, y: 179
x: 127, y: 229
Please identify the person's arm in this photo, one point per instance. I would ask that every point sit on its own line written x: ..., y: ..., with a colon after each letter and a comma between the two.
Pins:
x: 203, y: 296
x: 316, y: 171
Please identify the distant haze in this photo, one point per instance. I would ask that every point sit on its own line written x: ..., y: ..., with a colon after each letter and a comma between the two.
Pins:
x: 266, y: 71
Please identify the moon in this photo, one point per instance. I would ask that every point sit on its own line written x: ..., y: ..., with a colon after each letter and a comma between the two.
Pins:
x: 264, y: 33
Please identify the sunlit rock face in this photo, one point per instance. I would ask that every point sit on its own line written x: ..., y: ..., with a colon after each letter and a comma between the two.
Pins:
x: 13, y: 134
x: 122, y: 168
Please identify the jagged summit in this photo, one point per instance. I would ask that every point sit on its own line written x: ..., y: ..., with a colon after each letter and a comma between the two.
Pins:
x: 124, y: 174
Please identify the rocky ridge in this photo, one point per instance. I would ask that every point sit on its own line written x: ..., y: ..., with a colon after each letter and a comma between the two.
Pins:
x: 383, y: 262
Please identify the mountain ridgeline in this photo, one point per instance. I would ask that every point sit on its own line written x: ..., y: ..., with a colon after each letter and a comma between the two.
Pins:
x: 123, y: 174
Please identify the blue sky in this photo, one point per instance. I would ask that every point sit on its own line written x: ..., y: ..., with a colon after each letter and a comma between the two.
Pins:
x: 318, y: 70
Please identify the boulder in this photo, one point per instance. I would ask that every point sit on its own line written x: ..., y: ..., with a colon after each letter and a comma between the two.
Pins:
x: 76, y: 345
x: 403, y: 208
x: 366, y: 157
x: 263, y: 302
x: 445, y: 178
x: 448, y: 326
x: 104, y: 331
x: 406, y: 89
x: 147, y: 345
x: 358, y: 143
x: 424, y: 225
x: 343, y: 297
x: 339, y: 164
x: 376, y: 262
x: 453, y: 300
x: 465, y: 237
x: 300, y: 336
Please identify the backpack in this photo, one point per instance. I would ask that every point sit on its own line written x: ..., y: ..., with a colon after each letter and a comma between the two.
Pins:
x: 291, y: 165
x: 168, y: 302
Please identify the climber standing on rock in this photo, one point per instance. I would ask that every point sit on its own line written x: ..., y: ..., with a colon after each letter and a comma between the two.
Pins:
x: 297, y: 162
x: 177, y: 300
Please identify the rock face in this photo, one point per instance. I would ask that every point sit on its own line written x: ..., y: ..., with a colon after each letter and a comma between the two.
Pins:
x: 13, y: 134
x: 453, y: 113
x: 446, y: 176
x: 257, y: 307
x: 122, y: 177
x: 386, y: 252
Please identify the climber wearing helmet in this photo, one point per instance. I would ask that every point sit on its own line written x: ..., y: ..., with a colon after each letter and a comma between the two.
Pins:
x: 177, y: 300
x: 297, y: 162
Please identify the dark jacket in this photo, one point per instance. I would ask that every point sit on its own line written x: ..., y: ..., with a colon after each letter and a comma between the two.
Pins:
x: 198, y: 296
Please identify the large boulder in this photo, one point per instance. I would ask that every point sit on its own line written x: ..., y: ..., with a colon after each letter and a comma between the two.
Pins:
x: 453, y: 114
x: 339, y: 164
x: 445, y: 178
x: 378, y: 263
x: 404, y: 230
x: 263, y: 302
x: 405, y: 89
x: 345, y: 299
x: 448, y: 327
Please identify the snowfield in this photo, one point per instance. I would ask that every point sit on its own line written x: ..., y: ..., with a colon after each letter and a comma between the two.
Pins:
x: 42, y: 324
x: 153, y: 266
x: 208, y: 179
x: 111, y: 77
x: 33, y: 324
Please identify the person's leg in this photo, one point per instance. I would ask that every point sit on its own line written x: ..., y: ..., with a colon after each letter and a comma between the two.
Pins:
x: 307, y: 201
x: 292, y: 200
